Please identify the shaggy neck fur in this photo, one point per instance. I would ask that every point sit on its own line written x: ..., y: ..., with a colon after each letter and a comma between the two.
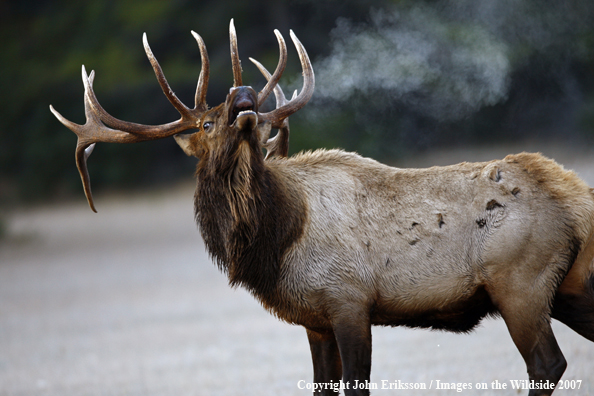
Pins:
x: 247, y: 216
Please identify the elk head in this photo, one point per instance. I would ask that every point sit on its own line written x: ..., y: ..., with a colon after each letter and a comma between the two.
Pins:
x: 237, y: 119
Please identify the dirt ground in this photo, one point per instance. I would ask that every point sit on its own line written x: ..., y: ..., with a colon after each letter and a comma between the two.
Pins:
x: 127, y: 302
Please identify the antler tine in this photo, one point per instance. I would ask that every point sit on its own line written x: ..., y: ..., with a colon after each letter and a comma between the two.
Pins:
x: 179, y: 106
x: 237, y: 82
x: 141, y: 131
x: 277, y: 116
x: 279, y: 95
x: 278, y: 146
x: 83, y: 151
x: 200, y: 101
x: 282, y: 63
x: 146, y: 132
x: 88, y: 134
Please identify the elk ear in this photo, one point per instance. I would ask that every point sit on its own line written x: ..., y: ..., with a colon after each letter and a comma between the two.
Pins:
x: 264, y: 129
x: 186, y: 144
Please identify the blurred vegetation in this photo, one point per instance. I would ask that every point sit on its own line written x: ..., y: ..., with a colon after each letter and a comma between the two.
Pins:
x: 44, y: 44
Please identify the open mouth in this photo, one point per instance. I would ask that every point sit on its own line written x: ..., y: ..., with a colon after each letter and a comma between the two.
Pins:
x: 243, y: 110
x: 238, y: 111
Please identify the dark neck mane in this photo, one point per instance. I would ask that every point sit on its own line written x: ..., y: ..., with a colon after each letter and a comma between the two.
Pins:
x: 248, y: 219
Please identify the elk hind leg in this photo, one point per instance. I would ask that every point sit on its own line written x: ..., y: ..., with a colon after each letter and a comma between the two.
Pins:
x: 537, y: 345
x: 527, y: 316
x: 574, y: 300
x: 576, y: 309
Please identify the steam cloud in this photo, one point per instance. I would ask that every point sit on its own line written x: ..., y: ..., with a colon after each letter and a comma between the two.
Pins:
x: 445, y: 62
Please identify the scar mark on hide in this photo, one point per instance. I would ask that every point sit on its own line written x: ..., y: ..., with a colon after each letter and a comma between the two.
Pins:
x: 516, y: 191
x: 440, y: 221
x: 413, y: 242
x: 492, y: 204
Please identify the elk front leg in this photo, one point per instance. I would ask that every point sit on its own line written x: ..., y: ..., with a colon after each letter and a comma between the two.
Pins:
x: 326, y: 359
x: 353, y: 336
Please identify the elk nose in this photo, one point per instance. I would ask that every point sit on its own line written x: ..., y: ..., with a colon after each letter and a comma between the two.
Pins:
x: 244, y: 102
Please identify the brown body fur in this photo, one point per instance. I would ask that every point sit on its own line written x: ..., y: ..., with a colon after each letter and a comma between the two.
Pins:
x: 376, y: 231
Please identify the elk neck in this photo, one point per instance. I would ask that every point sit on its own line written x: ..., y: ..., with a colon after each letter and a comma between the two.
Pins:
x: 248, y: 215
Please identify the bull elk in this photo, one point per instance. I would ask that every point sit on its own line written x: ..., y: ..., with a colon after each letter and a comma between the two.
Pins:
x: 337, y: 243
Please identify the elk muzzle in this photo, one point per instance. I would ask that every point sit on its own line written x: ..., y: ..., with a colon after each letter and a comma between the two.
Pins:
x: 242, y: 113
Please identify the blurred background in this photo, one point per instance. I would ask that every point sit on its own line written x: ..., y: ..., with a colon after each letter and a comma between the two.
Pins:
x: 395, y: 78
x: 127, y: 302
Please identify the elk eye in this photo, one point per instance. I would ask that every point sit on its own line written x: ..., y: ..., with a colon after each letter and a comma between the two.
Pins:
x: 207, y: 125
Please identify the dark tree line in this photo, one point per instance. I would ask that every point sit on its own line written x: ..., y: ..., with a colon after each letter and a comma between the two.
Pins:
x: 529, y: 64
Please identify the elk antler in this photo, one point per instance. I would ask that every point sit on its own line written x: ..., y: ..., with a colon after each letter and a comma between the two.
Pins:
x: 100, y: 126
x: 272, y: 82
x: 235, y: 62
x: 277, y: 146
x: 277, y: 116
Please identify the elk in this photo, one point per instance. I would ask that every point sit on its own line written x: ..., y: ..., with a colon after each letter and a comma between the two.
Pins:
x: 336, y: 242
